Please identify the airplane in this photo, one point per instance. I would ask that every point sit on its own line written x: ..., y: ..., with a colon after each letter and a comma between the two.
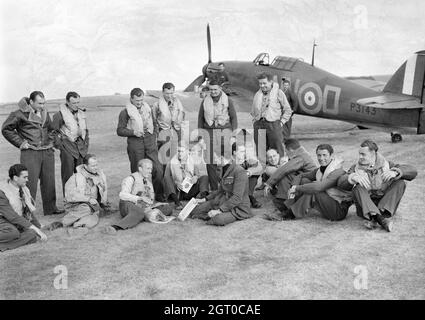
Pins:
x: 390, y: 103
x: 393, y: 103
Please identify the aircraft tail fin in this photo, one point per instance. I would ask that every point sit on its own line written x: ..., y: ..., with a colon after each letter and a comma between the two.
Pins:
x: 409, y: 78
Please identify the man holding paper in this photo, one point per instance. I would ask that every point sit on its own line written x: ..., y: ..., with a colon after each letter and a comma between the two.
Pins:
x: 137, y: 200
x: 231, y: 201
x: 184, y: 178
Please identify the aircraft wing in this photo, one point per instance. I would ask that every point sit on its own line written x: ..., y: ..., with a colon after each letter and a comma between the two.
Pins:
x: 391, y: 101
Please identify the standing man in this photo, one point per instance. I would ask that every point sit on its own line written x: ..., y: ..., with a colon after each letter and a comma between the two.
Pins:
x: 136, y: 122
x: 169, y: 115
x: 293, y: 103
x: 30, y: 130
x: 377, y: 185
x: 217, y: 115
x: 18, y: 226
x: 72, y: 135
x: 270, y: 111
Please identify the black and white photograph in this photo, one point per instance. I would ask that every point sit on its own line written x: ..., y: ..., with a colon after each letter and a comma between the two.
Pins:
x: 219, y: 151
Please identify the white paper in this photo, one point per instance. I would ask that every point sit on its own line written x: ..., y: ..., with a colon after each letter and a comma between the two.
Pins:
x: 187, y: 184
x: 188, y: 208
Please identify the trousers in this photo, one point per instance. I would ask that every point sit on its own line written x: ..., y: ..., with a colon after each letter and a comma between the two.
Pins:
x: 133, y: 214
x: 146, y: 147
x: 274, y: 135
x: 222, y: 219
x: 366, y: 203
x: 328, y: 207
x: 41, y: 166
x: 68, y: 165
x: 12, y: 238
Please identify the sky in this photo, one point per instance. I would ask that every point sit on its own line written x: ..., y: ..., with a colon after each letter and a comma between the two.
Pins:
x: 102, y: 47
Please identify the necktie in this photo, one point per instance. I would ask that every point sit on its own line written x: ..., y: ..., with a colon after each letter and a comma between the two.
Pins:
x: 25, y: 211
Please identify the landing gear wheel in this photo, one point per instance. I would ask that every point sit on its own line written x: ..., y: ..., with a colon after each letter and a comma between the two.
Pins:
x: 395, y: 137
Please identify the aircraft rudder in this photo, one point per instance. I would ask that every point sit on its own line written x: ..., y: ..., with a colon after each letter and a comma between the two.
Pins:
x: 409, y: 78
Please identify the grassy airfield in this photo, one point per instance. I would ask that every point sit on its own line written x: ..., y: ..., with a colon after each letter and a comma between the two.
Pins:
x: 251, y: 259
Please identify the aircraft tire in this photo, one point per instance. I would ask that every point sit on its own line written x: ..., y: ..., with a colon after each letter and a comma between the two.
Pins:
x: 396, y: 137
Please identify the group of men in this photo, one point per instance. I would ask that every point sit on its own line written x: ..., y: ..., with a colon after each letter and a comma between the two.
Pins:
x: 165, y: 167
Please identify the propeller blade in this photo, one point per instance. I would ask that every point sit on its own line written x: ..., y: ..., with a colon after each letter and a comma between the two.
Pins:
x: 209, y: 43
x: 197, y: 82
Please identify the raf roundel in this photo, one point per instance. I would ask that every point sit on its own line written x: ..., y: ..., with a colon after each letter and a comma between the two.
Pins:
x: 310, y: 98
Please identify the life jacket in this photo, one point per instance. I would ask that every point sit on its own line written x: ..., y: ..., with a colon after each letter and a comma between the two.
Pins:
x: 374, y: 173
x: 137, y: 122
x: 140, y: 187
x: 165, y: 117
x: 217, y: 112
x: 270, y: 109
x: 335, y: 193
x: 71, y: 128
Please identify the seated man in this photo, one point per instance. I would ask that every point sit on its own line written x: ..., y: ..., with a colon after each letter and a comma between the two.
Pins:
x: 299, y: 162
x: 317, y: 189
x: 245, y: 157
x: 85, y: 194
x: 274, y: 161
x: 137, y: 199
x: 377, y: 185
x: 183, y: 167
x: 231, y: 201
x: 18, y: 225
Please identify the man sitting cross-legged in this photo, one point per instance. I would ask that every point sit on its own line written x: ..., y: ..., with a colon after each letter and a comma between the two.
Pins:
x: 18, y: 225
x: 86, y: 194
x: 377, y: 185
x: 137, y: 199
x: 231, y: 201
x: 182, y: 169
x: 318, y: 189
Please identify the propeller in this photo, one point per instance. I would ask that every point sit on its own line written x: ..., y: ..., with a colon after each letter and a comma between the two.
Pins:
x: 201, y: 79
x: 209, y: 43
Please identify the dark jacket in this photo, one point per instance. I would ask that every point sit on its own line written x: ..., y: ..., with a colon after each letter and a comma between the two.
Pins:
x: 292, y: 100
x: 7, y: 212
x: 77, y: 148
x: 406, y: 172
x: 234, y: 193
x: 301, y: 162
x: 24, y: 125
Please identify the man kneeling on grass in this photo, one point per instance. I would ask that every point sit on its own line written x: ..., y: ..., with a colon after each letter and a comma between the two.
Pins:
x: 318, y: 189
x: 85, y: 195
x: 231, y: 201
x: 137, y: 199
x: 377, y: 185
x: 18, y: 225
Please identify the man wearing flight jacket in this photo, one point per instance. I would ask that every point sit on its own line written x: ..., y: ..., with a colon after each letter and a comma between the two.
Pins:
x: 318, y: 189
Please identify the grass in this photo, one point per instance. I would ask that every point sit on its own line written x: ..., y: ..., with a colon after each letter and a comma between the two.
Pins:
x: 251, y: 259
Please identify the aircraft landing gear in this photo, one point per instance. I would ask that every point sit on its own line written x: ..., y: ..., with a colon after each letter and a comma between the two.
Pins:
x: 395, y: 137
